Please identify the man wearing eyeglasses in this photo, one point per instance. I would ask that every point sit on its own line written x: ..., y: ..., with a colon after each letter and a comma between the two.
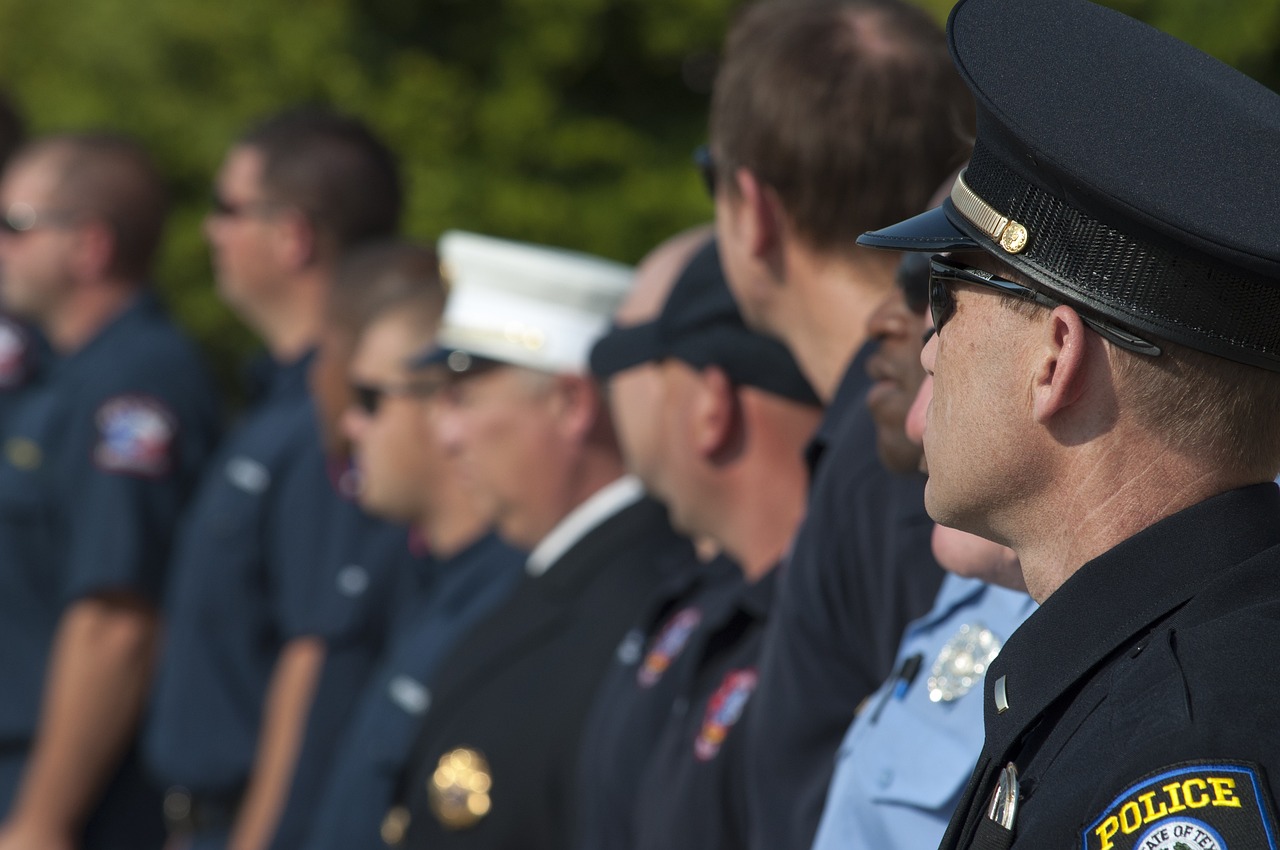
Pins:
x: 99, y: 457
x: 825, y: 114
x: 495, y: 764
x: 1105, y: 399
x: 250, y: 612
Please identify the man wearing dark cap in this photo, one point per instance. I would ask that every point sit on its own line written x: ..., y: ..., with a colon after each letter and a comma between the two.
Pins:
x: 826, y: 114
x: 734, y: 415
x: 1105, y: 400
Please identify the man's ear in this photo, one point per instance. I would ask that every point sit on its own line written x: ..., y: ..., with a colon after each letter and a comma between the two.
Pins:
x: 717, y: 416
x: 760, y: 215
x: 577, y: 403
x: 95, y: 249
x: 297, y: 242
x: 1062, y: 356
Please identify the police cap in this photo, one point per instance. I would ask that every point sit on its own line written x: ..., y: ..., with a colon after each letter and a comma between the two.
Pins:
x: 1119, y: 168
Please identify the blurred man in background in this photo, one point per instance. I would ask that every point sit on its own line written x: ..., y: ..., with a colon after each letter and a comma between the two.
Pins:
x: 824, y: 115
x: 99, y: 459
x: 391, y: 297
x: 246, y: 642
x: 495, y: 763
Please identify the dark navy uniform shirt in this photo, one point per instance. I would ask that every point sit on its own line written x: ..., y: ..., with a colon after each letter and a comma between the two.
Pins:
x: 1138, y: 704
x: 247, y: 579
x: 375, y: 747
x: 370, y: 573
x: 693, y: 793
x: 98, y: 461
x: 861, y: 569
x: 650, y: 670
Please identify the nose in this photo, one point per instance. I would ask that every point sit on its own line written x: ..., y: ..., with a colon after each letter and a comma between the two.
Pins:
x: 919, y: 411
x: 449, y: 425
x: 354, y: 424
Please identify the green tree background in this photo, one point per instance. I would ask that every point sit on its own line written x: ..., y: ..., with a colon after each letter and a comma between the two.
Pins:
x: 568, y: 122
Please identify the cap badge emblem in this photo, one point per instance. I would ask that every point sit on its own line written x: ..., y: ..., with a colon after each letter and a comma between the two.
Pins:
x: 1011, y: 235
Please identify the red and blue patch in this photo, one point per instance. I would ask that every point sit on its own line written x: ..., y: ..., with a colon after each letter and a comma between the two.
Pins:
x: 135, y: 436
x: 14, y: 345
x: 723, y: 711
x: 670, y: 642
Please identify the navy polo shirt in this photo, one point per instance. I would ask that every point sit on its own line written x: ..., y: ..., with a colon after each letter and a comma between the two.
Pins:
x: 692, y: 795
x: 99, y: 458
x: 247, y: 577
x: 373, y: 577
x: 650, y: 671
x: 861, y: 569
x: 361, y: 782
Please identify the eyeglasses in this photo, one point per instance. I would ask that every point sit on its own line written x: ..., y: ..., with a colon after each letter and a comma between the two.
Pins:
x: 22, y: 218
x: 706, y: 168
x: 368, y: 397
x: 224, y: 208
x: 942, y: 302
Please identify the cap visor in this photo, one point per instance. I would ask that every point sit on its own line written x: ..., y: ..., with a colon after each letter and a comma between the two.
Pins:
x: 930, y: 231
x: 624, y: 348
x: 432, y: 355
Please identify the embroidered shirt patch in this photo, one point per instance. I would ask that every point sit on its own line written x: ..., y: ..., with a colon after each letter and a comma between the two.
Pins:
x: 1188, y: 806
x: 667, y: 647
x: 135, y: 434
x: 13, y: 354
x: 724, y: 710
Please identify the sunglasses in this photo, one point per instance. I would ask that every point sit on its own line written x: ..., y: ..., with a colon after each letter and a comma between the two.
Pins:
x: 220, y: 206
x: 706, y: 164
x: 368, y: 397
x: 942, y: 302
x: 22, y: 218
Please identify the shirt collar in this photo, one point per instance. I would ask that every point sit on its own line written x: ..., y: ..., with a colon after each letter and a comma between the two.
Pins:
x: 601, y: 505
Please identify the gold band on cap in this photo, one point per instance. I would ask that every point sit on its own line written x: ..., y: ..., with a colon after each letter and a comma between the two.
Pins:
x: 1011, y: 235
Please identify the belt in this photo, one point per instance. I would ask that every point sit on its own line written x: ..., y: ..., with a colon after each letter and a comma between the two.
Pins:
x: 186, y: 813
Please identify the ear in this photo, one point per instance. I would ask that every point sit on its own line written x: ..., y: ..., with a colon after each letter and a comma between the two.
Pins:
x: 95, y: 249
x: 297, y: 243
x: 760, y: 215
x: 1062, y: 368
x: 717, y: 416
x: 577, y: 404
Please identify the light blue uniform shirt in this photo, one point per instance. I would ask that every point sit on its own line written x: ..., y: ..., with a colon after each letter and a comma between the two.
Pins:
x: 907, y: 757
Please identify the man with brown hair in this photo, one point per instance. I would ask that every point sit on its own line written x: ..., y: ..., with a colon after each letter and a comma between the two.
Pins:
x: 1105, y: 394
x: 99, y: 458
x: 826, y: 114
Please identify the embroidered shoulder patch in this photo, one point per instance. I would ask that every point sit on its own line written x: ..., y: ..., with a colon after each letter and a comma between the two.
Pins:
x: 724, y: 710
x: 1189, y: 806
x: 135, y: 434
x: 667, y: 647
x: 14, y: 344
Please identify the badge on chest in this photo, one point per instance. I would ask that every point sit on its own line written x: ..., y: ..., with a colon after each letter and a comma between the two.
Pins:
x: 1188, y: 806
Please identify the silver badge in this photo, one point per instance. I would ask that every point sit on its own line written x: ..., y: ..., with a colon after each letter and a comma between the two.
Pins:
x: 962, y: 662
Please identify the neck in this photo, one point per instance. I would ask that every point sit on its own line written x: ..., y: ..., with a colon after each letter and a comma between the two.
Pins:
x: 825, y: 322
x: 84, y: 317
x: 1110, y: 500
x: 291, y: 326
x: 454, y: 521
x: 595, y: 469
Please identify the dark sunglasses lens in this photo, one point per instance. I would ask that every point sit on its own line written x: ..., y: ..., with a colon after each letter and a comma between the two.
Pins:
x: 941, y: 302
x: 368, y: 399
x: 706, y: 167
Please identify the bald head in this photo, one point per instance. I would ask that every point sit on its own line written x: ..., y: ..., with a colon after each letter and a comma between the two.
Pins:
x: 656, y: 275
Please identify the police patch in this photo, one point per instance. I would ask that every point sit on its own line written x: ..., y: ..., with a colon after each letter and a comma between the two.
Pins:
x: 14, y: 343
x: 670, y: 643
x: 724, y: 710
x: 135, y: 434
x: 1188, y: 806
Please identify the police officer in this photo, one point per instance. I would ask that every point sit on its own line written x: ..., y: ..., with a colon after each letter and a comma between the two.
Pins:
x: 99, y: 458
x: 649, y: 670
x: 248, y: 636
x: 885, y: 120
x: 1104, y: 402
x: 390, y: 296
x: 494, y: 765
x: 909, y: 752
x: 735, y: 413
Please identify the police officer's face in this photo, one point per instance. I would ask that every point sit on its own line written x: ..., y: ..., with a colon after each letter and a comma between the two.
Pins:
x: 977, y: 430
x: 897, y: 374
x: 393, y: 444
x: 35, y: 262
x: 243, y: 232
x: 513, y: 429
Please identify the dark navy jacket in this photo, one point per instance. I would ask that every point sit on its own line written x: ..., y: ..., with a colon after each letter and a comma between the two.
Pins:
x: 861, y: 569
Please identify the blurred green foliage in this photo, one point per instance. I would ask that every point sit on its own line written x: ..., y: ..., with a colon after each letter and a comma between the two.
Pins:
x: 568, y: 122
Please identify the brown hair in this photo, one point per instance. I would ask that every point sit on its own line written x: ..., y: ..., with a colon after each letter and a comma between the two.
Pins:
x: 380, y: 277
x: 851, y: 111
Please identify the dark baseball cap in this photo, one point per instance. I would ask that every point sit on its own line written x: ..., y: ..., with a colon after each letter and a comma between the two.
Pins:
x: 700, y: 325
